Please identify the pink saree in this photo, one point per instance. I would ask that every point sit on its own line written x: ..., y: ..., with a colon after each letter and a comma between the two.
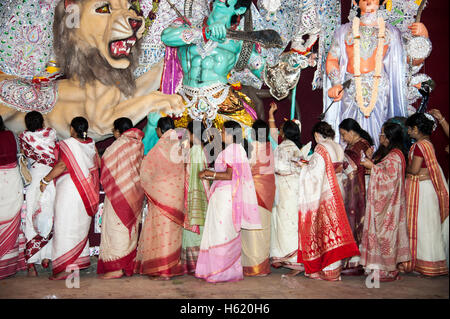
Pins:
x: 232, y: 206
x: 162, y: 177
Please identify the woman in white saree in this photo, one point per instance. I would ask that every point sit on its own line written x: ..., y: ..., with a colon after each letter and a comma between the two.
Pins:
x: 77, y: 197
x: 284, y: 223
x: 11, y: 198
x: 39, y: 146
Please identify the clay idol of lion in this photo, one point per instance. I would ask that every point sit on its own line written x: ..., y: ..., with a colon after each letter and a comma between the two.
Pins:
x: 98, y: 59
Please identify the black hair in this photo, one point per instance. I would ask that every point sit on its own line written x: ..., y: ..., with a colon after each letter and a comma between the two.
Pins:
x: 123, y: 124
x: 358, y: 11
x: 239, y: 3
x: 292, y: 132
x: 351, y: 125
x: 34, y: 121
x: 394, y: 133
x: 324, y: 129
x: 165, y: 124
x: 81, y: 126
x: 2, y: 125
x: 237, y: 135
x: 195, y: 132
x: 260, y: 126
x: 424, y: 124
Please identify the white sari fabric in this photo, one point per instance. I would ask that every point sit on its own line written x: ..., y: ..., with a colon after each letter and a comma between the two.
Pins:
x: 12, y: 241
x: 71, y: 221
x: 284, y: 223
x: 40, y: 147
x: 39, y: 218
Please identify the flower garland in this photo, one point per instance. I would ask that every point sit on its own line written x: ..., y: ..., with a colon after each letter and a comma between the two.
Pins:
x: 357, y: 65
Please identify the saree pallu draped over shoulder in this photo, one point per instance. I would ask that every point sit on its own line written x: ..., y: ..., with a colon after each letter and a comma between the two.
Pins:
x: 162, y: 178
x: 123, y: 203
x: 325, y: 236
x: 77, y: 198
x: 427, y: 212
x: 385, y: 240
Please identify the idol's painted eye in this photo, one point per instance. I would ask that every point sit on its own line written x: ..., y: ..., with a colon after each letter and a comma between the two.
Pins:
x: 103, y: 9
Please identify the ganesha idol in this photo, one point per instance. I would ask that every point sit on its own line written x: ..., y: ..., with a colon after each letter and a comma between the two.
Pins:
x: 97, y: 45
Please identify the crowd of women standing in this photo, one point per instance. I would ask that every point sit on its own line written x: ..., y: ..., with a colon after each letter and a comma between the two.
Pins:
x: 252, y: 205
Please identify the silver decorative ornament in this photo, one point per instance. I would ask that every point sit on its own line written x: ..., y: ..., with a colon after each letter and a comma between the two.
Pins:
x: 418, y: 48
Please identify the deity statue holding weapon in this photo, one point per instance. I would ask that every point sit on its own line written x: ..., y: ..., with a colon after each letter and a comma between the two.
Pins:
x: 369, y: 52
x: 208, y: 54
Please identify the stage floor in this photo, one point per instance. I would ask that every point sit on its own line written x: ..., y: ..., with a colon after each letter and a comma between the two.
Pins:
x: 271, y: 286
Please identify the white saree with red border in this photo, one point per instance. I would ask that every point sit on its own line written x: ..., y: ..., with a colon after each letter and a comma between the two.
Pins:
x: 77, y: 198
x: 121, y: 182
x: 428, y: 208
x: 12, y: 241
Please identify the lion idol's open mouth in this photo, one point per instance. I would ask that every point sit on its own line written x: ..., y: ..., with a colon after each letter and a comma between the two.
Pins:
x: 122, y: 48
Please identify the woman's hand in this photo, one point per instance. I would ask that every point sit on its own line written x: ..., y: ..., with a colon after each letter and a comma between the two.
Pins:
x: 273, y: 108
x: 369, y: 152
x: 205, y: 174
x: 436, y: 114
x: 42, y: 186
x: 367, y: 163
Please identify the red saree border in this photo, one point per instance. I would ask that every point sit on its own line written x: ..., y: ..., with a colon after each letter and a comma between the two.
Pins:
x: 10, y: 234
x: 71, y: 257
x: 412, y: 201
x: 118, y: 201
x: 431, y: 268
x: 175, y: 215
x: 168, y: 266
x: 261, y: 269
x: 348, y: 248
x: 89, y: 193
x: 125, y: 263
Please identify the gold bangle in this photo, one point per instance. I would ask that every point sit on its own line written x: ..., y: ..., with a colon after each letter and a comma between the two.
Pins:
x: 271, y: 120
x: 214, y: 176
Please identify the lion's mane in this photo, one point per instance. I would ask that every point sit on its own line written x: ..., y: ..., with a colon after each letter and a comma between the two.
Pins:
x: 86, y: 64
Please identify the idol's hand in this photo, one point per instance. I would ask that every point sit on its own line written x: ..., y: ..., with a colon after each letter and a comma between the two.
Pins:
x: 336, y: 93
x: 418, y: 29
x: 217, y: 32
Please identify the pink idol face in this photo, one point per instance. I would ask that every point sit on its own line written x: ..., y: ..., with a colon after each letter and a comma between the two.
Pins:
x: 369, y: 6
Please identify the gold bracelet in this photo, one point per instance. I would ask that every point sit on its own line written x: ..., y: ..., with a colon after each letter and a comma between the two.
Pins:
x: 271, y: 120
x: 214, y: 176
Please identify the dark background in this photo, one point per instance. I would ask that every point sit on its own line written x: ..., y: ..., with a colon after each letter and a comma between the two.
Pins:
x: 435, y: 17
